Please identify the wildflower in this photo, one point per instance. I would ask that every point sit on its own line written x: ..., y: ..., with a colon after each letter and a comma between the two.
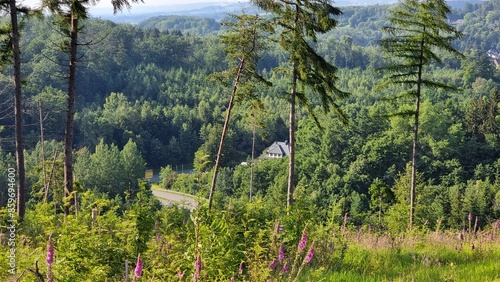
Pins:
x: 469, y: 217
x: 310, y: 254
x: 303, y: 241
x: 197, y: 268
x: 49, y: 273
x: 240, y: 270
x: 272, y: 265
x: 496, y: 224
x: 281, y: 254
x: 138, y: 267
x: 50, y: 252
x: 346, y: 218
x: 285, y: 267
x: 180, y: 273
x: 277, y: 228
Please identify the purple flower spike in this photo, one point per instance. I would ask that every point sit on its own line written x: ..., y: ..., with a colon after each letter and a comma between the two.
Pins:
x: 240, y: 270
x: 285, y: 267
x: 476, y: 220
x: 310, y: 254
x: 138, y: 267
x: 197, y: 268
x: 496, y: 224
x: 469, y: 217
x: 303, y: 242
x: 281, y: 255
x: 272, y: 265
x: 346, y: 218
x: 50, y: 252
x: 180, y: 273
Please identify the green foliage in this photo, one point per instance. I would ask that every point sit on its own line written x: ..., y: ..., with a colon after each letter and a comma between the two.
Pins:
x: 143, y: 97
x: 168, y: 177
x: 110, y: 170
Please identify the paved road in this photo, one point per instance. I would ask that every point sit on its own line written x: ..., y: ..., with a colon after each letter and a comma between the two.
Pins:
x: 167, y: 197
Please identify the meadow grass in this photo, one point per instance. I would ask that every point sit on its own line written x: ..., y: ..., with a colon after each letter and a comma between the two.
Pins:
x: 424, y: 257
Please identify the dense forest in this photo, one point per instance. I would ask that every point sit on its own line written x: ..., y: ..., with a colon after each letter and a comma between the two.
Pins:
x: 147, y: 99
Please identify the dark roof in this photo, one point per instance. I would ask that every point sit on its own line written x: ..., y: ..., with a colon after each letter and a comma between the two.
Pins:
x: 280, y: 148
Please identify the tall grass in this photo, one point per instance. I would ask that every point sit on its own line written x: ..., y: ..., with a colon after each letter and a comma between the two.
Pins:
x: 429, y: 256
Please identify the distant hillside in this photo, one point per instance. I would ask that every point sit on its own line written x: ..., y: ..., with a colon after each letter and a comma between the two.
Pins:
x: 215, y: 11
x: 218, y: 11
x: 186, y: 24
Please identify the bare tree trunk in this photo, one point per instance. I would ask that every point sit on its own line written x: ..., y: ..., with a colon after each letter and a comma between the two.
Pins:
x: 224, y: 132
x: 414, y: 162
x: 42, y: 144
x: 21, y: 181
x: 253, y: 160
x: 70, y: 112
x: 291, y: 146
x: 47, y: 187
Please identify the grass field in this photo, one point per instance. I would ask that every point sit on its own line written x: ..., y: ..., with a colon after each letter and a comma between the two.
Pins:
x: 425, y: 257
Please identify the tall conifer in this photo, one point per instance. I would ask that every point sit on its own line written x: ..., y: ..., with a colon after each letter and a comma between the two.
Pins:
x: 244, y: 41
x: 69, y: 13
x: 298, y: 22
x: 418, y: 29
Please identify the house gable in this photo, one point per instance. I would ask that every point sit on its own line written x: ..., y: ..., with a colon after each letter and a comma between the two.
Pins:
x: 278, y: 150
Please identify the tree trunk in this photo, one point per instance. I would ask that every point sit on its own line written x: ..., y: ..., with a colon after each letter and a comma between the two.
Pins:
x: 224, y: 132
x: 70, y: 112
x: 40, y: 115
x: 415, y: 136
x: 291, y: 146
x: 414, y: 162
x: 21, y: 181
x: 253, y: 160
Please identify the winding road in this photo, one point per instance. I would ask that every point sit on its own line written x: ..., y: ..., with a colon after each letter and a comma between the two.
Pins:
x: 168, y: 197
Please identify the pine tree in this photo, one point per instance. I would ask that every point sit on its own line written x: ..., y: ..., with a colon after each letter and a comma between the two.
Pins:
x: 418, y: 29
x: 69, y: 13
x: 298, y: 22
x: 244, y: 42
x: 11, y: 54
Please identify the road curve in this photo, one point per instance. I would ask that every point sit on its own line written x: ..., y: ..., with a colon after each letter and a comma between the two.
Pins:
x: 168, y: 197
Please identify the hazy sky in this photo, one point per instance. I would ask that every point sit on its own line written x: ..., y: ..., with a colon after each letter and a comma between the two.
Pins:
x: 107, y: 3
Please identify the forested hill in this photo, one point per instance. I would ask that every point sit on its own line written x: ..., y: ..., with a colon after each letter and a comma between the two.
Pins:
x: 219, y: 10
x: 368, y: 18
x: 148, y: 85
